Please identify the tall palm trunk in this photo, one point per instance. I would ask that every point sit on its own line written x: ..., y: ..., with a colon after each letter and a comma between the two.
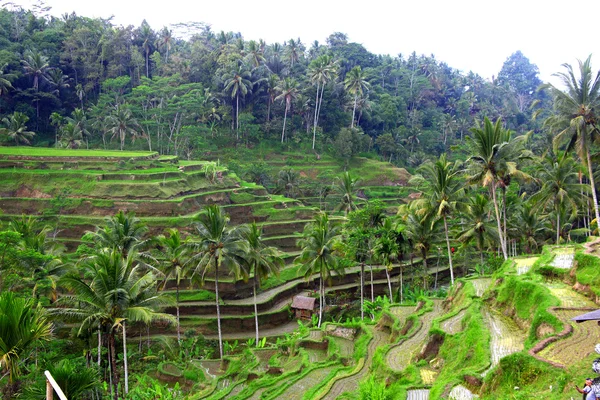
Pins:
x: 315, y: 117
x: 449, y: 251
x: 387, y: 275
x: 218, y: 309
x: 593, y: 186
x: 177, y: 311
x: 502, y: 243
x: 362, y: 294
x: 125, y: 359
x: 321, y: 300
x: 425, y: 269
x: 99, y: 344
x: 237, y: 117
x: 354, y: 110
x: 255, y: 305
x: 557, y: 226
x: 372, y: 290
x: 113, y: 364
x: 401, y: 284
x: 284, y: 121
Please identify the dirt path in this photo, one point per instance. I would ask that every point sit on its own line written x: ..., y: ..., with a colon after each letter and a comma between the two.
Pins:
x: 400, y: 356
x: 575, y: 347
x: 350, y: 383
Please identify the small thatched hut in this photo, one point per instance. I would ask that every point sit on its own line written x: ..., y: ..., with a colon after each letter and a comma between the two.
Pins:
x: 303, y: 306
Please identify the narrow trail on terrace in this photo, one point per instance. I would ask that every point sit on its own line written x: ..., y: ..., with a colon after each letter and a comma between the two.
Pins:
x: 350, y: 383
x: 400, y: 355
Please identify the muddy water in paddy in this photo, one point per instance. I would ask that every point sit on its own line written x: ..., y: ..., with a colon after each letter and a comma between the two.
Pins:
x: 578, y: 345
x: 419, y: 394
x: 401, y: 355
x: 568, y: 297
x: 452, y: 325
x: 523, y: 265
x: 481, y: 285
x: 506, y: 337
x: 350, y: 384
x: 461, y: 393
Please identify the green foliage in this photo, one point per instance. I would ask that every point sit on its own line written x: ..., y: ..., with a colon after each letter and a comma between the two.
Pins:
x: 588, y: 270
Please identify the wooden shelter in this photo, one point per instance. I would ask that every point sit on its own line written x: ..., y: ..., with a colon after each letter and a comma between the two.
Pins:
x: 303, y: 307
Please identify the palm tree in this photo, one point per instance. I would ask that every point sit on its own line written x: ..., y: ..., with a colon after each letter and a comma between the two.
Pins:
x: 317, y: 256
x: 421, y: 229
x: 320, y: 71
x: 288, y: 182
x: 165, y: 41
x: 346, y: 187
x: 123, y: 232
x: 218, y: 246
x: 15, y: 128
x: 173, y: 256
x: 79, y: 119
x: 116, y: 289
x: 121, y: 122
x: 532, y: 225
x: 262, y: 261
x: 57, y: 79
x: 575, y: 115
x: 146, y: 36
x: 386, y: 250
x: 36, y: 65
x: 356, y: 84
x: 560, y: 187
x: 493, y: 154
x: 237, y: 83
x: 288, y: 91
x: 475, y: 217
x: 22, y: 324
x: 71, y: 136
x: 5, y: 81
x: 271, y: 88
x: 442, y: 187
x: 56, y: 120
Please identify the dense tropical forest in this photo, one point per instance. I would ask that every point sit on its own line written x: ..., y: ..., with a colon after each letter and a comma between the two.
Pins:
x: 172, y: 198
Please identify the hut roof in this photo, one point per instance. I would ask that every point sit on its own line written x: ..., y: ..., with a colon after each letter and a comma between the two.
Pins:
x: 591, y: 316
x: 303, y: 303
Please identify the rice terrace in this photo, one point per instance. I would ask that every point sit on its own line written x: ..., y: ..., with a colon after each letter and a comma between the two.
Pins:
x: 215, y: 217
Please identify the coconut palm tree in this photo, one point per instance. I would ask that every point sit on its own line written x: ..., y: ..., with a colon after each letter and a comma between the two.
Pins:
x: 15, y: 128
x: 421, y: 229
x: 23, y: 323
x: 386, y: 251
x: 288, y: 91
x: 356, y: 84
x: 442, y: 187
x: 346, y: 187
x: 317, y: 256
x: 560, y: 187
x: 35, y: 65
x: 116, y: 289
x: 124, y: 232
x: 121, y: 122
x: 71, y: 136
x: 494, y: 152
x: 320, y: 71
x: 218, y: 246
x: 237, y: 83
x: 173, y: 255
x: 261, y: 261
x: 575, y: 115
x: 288, y: 182
x: 476, y: 222
x: 5, y: 81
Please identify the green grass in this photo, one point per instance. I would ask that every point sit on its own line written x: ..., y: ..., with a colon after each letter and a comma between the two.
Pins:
x: 588, y: 271
x: 51, y: 152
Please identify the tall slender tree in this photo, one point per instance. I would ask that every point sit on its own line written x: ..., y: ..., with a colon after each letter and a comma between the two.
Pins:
x: 575, y: 116
x: 288, y: 91
x: 317, y: 255
x: 218, y: 246
x: 356, y: 84
x: 262, y: 261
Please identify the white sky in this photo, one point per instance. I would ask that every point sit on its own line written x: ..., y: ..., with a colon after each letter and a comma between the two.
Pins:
x: 475, y: 35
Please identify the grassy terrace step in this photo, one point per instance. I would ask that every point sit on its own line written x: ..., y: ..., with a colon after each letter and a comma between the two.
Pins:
x: 44, y: 152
